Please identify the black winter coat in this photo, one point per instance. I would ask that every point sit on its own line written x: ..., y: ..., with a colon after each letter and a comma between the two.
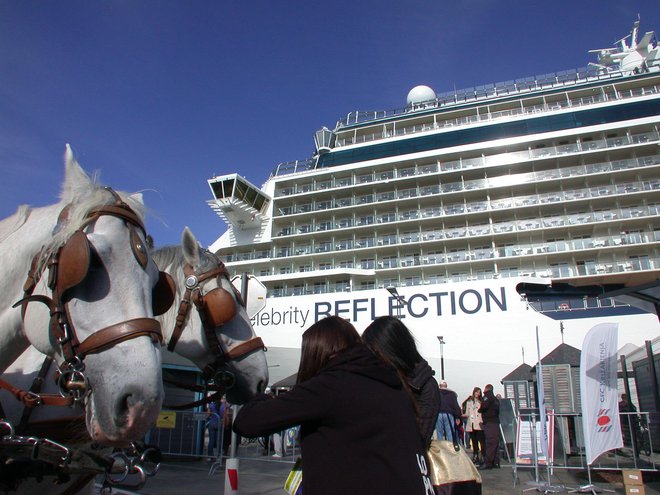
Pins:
x: 427, y: 394
x: 358, y: 430
x: 490, y: 408
x: 449, y: 403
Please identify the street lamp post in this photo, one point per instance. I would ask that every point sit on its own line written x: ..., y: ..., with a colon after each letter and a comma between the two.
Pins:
x: 442, y: 358
x: 399, y: 300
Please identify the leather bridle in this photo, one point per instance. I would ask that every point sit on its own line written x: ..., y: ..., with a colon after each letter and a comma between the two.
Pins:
x: 67, y: 268
x: 215, y: 308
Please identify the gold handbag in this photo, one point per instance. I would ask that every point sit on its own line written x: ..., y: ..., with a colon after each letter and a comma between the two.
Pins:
x: 452, y: 471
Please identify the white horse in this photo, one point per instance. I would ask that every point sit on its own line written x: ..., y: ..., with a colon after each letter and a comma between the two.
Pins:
x: 216, y: 335
x: 230, y: 355
x: 97, y: 320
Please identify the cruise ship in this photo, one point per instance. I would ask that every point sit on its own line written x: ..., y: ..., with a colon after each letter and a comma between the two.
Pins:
x: 465, y: 214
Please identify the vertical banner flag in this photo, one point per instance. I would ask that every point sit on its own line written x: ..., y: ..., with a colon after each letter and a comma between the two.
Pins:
x: 540, y: 393
x: 598, y: 385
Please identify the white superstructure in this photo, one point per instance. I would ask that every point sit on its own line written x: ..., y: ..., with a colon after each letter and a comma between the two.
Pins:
x: 456, y: 200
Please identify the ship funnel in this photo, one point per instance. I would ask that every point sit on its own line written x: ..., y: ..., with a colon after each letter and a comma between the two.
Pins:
x: 324, y: 139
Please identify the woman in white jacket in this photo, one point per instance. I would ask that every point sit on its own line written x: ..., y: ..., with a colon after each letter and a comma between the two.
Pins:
x: 474, y: 423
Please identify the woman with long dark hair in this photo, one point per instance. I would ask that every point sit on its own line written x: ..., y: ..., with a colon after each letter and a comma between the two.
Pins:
x: 357, y: 424
x: 391, y: 340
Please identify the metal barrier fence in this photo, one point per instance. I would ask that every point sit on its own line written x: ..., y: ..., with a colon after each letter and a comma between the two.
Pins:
x: 266, y: 448
x: 185, y: 433
x: 567, y: 443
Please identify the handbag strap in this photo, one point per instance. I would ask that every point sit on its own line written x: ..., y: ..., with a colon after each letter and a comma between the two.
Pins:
x: 454, y: 436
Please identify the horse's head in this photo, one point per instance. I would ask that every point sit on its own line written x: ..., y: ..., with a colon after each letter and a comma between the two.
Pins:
x: 218, y: 336
x: 102, y: 281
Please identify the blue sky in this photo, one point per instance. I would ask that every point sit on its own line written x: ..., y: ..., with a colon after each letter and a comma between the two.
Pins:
x: 159, y: 96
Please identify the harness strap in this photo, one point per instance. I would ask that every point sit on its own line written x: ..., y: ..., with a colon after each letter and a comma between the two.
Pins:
x: 120, y: 332
x: 181, y: 317
x: 245, y: 348
x: 35, y: 388
x: 30, y: 399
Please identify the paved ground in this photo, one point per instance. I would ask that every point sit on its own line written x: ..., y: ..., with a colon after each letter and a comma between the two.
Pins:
x: 263, y: 476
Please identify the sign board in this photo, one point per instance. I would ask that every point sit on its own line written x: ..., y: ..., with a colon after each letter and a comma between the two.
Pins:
x: 524, y: 445
x: 166, y: 419
x: 256, y: 294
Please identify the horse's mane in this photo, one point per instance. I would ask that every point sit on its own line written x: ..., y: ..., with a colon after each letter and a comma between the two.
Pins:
x: 11, y: 224
x: 172, y: 256
x: 169, y: 256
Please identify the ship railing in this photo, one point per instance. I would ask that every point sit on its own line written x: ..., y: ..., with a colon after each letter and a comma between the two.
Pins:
x: 468, y: 163
x: 450, y: 209
x: 491, y: 182
x: 483, y: 114
x: 480, y: 271
x: 506, y: 88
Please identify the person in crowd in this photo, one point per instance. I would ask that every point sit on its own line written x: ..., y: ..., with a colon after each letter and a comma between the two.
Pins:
x: 227, y: 416
x: 490, y: 413
x: 629, y: 422
x: 449, y: 415
x: 466, y: 433
x: 212, y: 425
x: 473, y: 422
x: 391, y: 340
x: 358, y: 426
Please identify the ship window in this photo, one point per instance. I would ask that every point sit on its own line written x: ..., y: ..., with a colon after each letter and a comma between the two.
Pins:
x: 240, y: 190
x: 367, y: 263
x: 345, y: 244
x: 342, y: 285
x: 259, y: 203
x: 228, y: 188
x: 217, y: 189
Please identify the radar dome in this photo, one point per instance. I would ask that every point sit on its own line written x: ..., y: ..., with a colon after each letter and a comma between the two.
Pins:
x: 419, y: 94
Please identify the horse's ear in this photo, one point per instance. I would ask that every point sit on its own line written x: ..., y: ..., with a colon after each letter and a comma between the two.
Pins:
x: 76, y: 182
x: 191, y: 248
x: 136, y: 202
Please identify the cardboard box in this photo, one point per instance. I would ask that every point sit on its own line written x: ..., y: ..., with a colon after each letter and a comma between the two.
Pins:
x: 634, y: 489
x: 632, y: 477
